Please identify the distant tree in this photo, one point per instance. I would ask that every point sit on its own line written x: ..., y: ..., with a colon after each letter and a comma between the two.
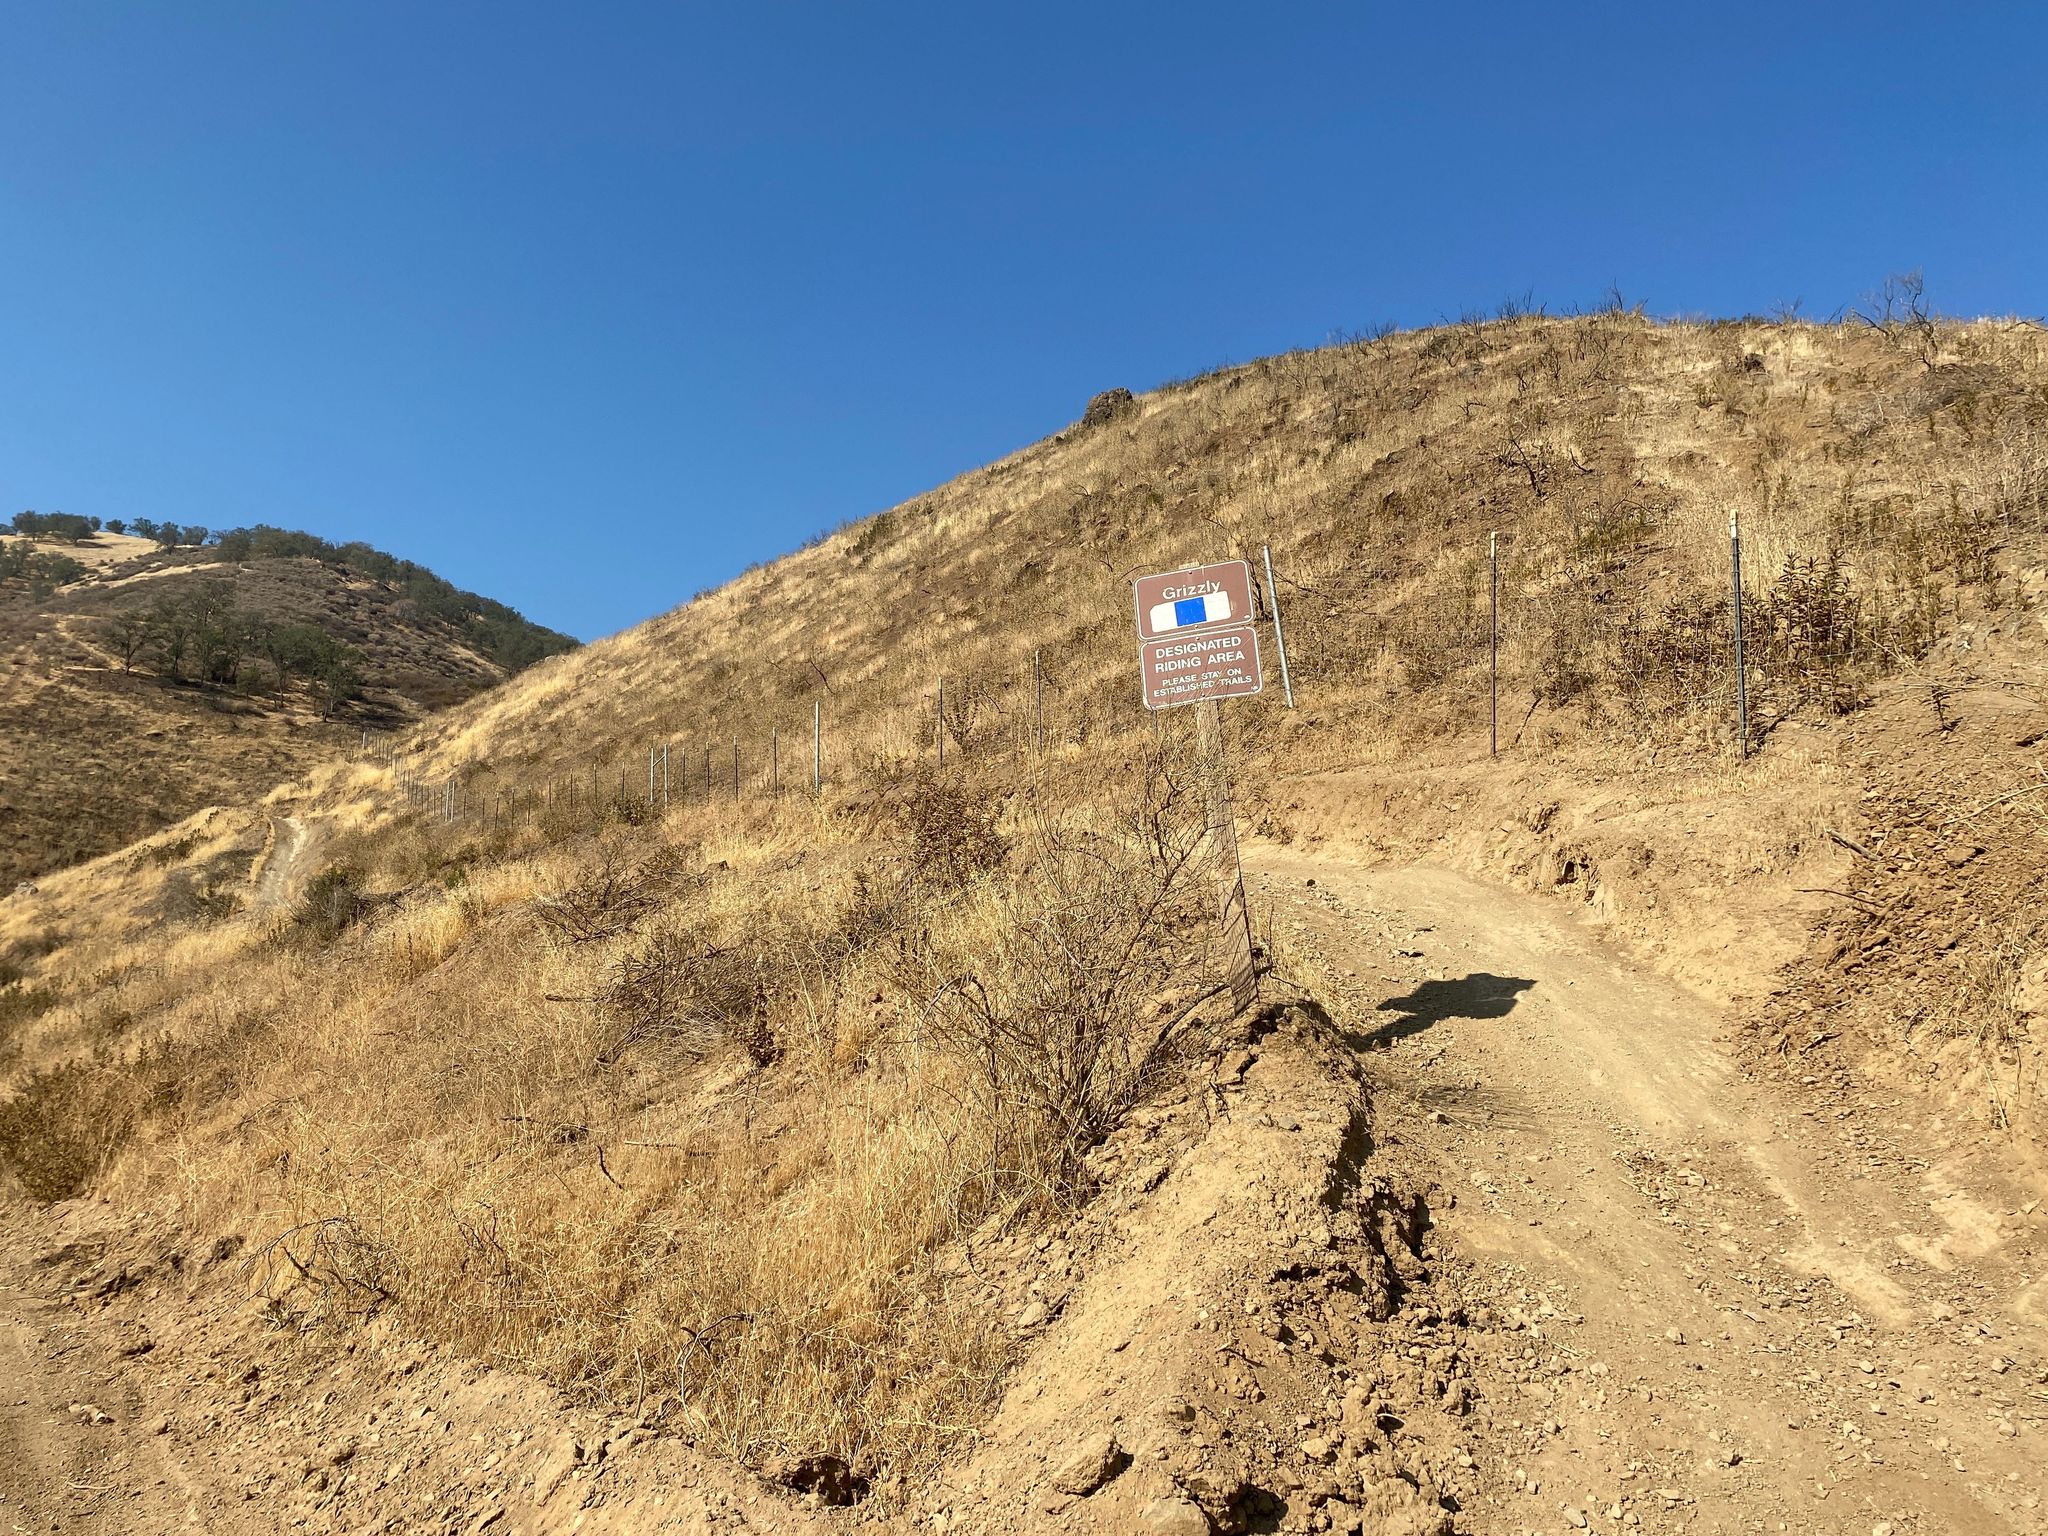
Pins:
x: 56, y: 525
x: 195, y: 534
x: 43, y: 569
x: 339, y: 677
x: 168, y: 536
x: 127, y: 634
x: 116, y: 525
x: 170, y: 636
x: 221, y: 633
x: 145, y: 527
x: 296, y: 649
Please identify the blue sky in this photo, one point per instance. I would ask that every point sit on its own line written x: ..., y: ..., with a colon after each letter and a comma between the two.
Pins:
x: 587, y: 307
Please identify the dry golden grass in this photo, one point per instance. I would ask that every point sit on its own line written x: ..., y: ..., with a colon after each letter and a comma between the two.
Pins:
x: 687, y: 1111
x: 1608, y: 450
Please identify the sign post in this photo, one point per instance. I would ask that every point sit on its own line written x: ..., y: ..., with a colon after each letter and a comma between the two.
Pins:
x: 1741, y: 674
x: 1196, y: 645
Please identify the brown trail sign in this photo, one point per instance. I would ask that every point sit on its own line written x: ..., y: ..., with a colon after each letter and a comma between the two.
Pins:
x: 1196, y: 645
x: 1176, y: 601
x: 1208, y: 664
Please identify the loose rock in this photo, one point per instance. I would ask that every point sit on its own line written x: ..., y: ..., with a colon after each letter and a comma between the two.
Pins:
x: 1096, y: 1461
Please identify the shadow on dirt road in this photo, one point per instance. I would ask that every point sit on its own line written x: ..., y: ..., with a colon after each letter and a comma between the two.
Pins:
x: 1479, y: 995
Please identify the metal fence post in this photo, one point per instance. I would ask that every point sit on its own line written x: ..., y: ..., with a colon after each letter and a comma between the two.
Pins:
x: 1279, y: 634
x: 1038, y: 703
x: 1493, y: 639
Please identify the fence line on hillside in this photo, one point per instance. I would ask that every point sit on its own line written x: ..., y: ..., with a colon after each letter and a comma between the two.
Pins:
x: 952, y: 723
x: 961, y: 720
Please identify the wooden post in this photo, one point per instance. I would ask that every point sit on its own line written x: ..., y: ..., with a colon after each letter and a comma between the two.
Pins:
x: 817, y: 745
x: 774, y: 761
x: 664, y: 775
x: 1741, y: 676
x: 939, y: 719
x: 735, y: 769
x: 1232, y: 918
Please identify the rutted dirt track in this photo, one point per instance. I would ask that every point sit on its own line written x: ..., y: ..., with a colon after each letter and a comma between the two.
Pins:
x: 1780, y: 1316
x: 1549, y: 1262
x: 283, y: 869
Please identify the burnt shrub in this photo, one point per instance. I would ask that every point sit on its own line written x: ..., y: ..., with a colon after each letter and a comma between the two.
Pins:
x: 682, y: 991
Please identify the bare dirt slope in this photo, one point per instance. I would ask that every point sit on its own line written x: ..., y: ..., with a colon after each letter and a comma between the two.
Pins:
x: 1781, y: 1310
x: 1506, y: 1242
x: 147, y: 1392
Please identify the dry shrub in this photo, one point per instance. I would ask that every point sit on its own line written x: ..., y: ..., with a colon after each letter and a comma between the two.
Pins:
x: 1057, y: 990
x: 60, y: 1127
x: 612, y: 901
x: 333, y: 902
x: 332, y: 1257
x: 1562, y: 629
x: 187, y: 899
x: 950, y: 825
x: 682, y: 991
x: 21, y: 1006
x: 1675, y: 657
x: 1811, y: 640
x: 770, y: 1297
x: 1443, y: 630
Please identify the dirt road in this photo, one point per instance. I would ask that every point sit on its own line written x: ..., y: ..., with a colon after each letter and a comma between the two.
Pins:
x: 284, y: 868
x: 1778, y: 1313
x: 1682, y: 1299
x: 74, y: 1452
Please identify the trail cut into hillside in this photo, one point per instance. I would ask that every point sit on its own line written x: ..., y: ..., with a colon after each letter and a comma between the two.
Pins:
x: 580, y: 1117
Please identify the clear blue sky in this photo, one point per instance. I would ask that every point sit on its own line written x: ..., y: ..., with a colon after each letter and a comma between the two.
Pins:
x: 588, y: 306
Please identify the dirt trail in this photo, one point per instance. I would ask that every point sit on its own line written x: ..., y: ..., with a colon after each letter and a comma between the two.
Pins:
x: 1784, y: 1315
x: 1508, y: 1243
x: 64, y: 1465
x: 284, y: 868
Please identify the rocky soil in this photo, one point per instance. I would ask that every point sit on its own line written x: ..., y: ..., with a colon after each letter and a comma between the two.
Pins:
x: 1514, y: 1237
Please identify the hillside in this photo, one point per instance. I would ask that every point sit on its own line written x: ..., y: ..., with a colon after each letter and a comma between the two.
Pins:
x: 141, y: 680
x: 576, y: 1120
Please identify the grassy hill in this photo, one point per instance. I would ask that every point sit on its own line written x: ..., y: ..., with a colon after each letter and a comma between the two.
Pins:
x: 141, y: 680
x: 715, y: 1107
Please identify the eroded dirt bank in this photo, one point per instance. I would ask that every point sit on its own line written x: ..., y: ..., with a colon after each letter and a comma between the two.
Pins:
x: 1504, y: 1241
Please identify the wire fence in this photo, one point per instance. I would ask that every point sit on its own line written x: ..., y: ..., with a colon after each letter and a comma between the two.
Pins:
x: 956, y: 720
